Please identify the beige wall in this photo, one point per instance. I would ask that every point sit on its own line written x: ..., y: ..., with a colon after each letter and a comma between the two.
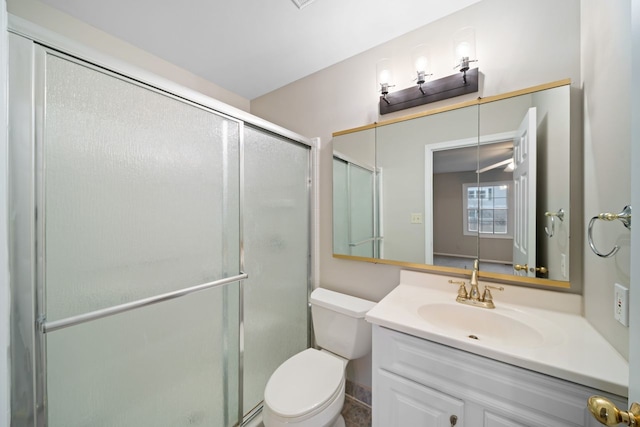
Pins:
x: 52, y: 19
x: 606, y: 74
x: 634, y: 344
x: 344, y: 96
x: 515, y: 51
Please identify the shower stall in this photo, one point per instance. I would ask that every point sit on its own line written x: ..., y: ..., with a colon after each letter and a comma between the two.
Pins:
x: 355, y: 214
x: 160, y: 249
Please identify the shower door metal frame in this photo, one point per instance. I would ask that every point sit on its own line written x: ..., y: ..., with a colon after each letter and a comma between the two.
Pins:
x: 25, y: 195
x: 34, y: 186
x: 312, y: 159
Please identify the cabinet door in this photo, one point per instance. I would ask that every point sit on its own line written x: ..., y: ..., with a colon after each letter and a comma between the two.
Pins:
x: 494, y: 420
x: 400, y: 402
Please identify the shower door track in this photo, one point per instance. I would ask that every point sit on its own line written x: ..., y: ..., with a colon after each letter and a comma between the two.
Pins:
x: 121, y: 308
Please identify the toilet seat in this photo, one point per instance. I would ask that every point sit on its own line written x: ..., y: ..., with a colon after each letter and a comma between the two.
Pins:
x: 305, y: 385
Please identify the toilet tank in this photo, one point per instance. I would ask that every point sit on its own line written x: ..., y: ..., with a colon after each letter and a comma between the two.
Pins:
x: 339, y: 325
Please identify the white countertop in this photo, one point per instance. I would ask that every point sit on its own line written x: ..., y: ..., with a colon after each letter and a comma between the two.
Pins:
x: 575, y: 351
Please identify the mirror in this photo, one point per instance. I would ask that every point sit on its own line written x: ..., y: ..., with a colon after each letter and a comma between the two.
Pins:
x: 487, y: 179
x: 355, y: 213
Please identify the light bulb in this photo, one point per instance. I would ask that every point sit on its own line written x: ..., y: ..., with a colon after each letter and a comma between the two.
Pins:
x: 463, y: 50
x: 421, y: 63
x: 384, y: 76
x: 464, y: 47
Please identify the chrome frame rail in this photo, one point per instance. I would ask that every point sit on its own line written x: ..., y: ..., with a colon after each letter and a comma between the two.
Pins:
x: 55, y: 325
x: 362, y: 242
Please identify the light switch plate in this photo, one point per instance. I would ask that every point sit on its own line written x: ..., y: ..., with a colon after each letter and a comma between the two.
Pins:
x: 416, y: 218
x: 621, y: 304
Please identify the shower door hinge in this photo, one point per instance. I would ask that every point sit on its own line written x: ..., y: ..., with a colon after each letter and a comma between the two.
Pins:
x: 40, y: 321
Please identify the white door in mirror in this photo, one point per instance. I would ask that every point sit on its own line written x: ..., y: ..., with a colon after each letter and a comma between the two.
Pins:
x: 524, y: 178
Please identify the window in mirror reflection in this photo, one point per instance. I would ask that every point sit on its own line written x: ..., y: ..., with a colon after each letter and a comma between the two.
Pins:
x: 487, y: 206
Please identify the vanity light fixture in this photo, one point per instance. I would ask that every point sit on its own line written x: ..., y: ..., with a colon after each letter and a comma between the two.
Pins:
x: 384, y: 78
x: 433, y: 90
x: 464, y: 46
x: 421, y: 62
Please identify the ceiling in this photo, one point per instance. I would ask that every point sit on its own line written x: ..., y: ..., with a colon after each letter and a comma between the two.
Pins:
x: 470, y: 159
x: 252, y: 47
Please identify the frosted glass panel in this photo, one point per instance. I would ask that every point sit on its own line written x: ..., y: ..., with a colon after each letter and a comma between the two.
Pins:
x: 141, y: 192
x: 340, y: 208
x: 276, y: 224
x: 361, y: 211
x: 353, y: 209
x: 162, y: 365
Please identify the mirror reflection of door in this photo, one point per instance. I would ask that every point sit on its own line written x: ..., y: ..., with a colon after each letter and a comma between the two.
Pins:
x: 471, y: 196
x: 499, y: 205
x: 524, y: 178
x: 354, y: 208
x: 449, y: 166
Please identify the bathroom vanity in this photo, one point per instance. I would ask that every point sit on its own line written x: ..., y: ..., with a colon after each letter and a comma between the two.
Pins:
x: 532, y: 361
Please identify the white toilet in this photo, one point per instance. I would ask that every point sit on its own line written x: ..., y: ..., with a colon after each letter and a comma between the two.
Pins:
x: 307, y: 390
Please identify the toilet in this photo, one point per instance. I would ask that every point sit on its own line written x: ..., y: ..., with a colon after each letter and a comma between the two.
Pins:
x: 307, y: 390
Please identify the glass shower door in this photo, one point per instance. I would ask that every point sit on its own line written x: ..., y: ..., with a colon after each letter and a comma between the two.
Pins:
x: 361, y: 209
x: 354, y: 218
x: 277, y: 253
x: 138, y: 197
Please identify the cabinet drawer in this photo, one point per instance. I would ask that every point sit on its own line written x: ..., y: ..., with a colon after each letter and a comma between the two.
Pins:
x: 495, y: 420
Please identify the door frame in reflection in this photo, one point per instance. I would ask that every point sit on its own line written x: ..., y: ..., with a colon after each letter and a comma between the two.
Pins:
x: 430, y: 149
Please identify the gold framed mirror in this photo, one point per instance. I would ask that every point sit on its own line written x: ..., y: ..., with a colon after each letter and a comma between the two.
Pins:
x: 434, y: 191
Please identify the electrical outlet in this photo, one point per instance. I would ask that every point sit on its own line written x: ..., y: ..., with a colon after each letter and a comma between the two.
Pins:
x: 621, y: 304
x: 416, y: 218
x: 563, y: 265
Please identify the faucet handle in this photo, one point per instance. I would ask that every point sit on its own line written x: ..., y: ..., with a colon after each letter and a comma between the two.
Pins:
x: 462, y: 290
x: 486, y: 296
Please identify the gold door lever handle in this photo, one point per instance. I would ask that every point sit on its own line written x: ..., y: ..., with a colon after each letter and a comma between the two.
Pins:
x: 606, y: 412
x: 541, y: 270
x: 518, y: 267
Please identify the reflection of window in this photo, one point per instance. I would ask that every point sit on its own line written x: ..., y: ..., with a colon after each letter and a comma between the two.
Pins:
x: 487, y: 209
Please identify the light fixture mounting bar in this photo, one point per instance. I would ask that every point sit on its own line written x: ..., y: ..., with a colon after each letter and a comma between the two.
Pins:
x: 435, y: 90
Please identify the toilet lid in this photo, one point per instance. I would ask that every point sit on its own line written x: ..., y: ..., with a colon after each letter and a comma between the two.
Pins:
x: 304, y: 383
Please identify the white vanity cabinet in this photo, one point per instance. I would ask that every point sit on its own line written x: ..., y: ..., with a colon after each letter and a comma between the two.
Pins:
x: 417, y: 382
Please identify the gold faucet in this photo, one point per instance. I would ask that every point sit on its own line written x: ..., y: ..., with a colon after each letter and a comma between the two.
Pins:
x: 473, y: 296
x: 474, y: 293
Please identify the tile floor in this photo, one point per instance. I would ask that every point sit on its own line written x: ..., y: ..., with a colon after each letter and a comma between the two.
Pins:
x: 356, y: 413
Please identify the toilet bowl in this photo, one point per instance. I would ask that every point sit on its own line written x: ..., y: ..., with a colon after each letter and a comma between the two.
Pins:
x: 308, y: 389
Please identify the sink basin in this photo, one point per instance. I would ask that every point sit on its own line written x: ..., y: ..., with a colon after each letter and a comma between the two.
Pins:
x: 488, y: 326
